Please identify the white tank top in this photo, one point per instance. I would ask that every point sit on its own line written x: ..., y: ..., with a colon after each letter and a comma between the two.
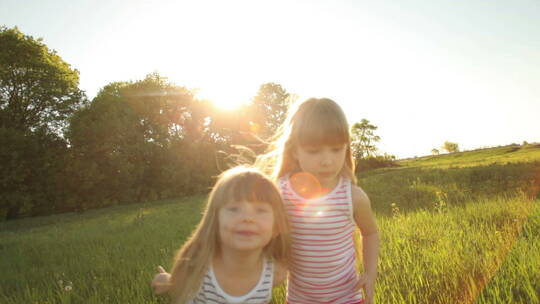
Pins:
x: 323, y: 268
x: 211, y: 292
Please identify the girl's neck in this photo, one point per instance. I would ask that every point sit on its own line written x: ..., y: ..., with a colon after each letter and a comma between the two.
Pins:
x: 328, y: 186
x: 238, y: 262
x: 238, y: 273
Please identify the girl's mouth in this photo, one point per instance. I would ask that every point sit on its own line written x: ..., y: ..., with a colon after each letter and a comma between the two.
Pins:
x: 246, y: 233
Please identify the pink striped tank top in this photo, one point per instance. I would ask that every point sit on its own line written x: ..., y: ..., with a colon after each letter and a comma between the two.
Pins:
x: 323, y: 268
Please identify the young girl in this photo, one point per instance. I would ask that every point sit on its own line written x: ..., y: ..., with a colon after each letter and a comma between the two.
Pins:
x: 311, y: 160
x: 240, y: 248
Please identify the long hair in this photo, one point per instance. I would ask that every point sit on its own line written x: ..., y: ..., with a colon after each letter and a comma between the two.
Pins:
x: 192, y: 260
x: 313, y: 122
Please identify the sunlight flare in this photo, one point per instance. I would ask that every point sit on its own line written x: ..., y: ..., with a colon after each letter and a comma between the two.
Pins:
x: 225, y: 97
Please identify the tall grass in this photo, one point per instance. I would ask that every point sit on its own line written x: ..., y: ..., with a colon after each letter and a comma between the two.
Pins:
x: 518, y: 278
x: 450, y: 255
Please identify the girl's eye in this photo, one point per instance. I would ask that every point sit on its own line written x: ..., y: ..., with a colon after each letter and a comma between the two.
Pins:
x: 232, y: 209
x: 337, y: 149
x: 262, y: 207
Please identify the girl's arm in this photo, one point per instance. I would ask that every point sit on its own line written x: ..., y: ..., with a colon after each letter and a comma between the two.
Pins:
x: 365, y: 220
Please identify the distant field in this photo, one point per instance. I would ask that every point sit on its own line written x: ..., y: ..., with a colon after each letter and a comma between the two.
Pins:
x: 481, y: 157
x: 465, y: 231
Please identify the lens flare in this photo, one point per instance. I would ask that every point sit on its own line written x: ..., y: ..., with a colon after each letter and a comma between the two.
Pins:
x: 306, y: 184
x: 309, y: 187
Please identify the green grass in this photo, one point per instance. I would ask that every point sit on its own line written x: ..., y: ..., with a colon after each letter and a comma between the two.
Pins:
x: 450, y: 234
x: 106, y: 255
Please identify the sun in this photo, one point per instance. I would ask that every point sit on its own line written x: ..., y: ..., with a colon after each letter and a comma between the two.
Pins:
x: 225, y: 97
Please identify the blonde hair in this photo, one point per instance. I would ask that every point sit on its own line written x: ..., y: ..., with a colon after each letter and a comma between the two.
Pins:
x: 192, y: 260
x: 313, y: 122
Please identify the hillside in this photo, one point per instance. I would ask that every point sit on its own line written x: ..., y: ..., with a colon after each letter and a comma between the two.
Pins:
x: 455, y: 178
x: 480, y: 157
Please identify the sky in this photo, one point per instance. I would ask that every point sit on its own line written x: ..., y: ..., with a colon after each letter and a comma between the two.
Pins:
x: 424, y: 72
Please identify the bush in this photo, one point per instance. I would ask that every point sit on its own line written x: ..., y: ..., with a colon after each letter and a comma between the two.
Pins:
x: 375, y: 162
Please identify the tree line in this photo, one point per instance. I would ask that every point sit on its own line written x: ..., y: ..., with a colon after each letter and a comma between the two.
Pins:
x: 135, y: 141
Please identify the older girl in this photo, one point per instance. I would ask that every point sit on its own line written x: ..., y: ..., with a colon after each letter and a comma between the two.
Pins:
x: 312, y: 161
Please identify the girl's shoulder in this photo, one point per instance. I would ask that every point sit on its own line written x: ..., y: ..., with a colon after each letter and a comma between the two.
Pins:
x: 358, y: 195
x: 360, y: 200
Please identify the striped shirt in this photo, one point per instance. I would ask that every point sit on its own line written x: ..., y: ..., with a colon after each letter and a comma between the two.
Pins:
x: 323, y: 268
x: 211, y: 292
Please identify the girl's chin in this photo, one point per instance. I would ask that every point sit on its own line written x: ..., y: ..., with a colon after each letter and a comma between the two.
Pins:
x: 248, y: 246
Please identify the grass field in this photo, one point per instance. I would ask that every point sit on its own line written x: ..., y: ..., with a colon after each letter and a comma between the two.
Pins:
x: 462, y: 231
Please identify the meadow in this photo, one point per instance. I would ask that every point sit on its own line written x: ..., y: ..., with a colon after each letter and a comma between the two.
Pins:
x: 456, y: 228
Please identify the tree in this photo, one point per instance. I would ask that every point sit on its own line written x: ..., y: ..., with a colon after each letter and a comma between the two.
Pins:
x: 38, y: 92
x: 31, y: 165
x: 269, y: 108
x: 450, y: 147
x: 140, y: 141
x: 363, y: 139
x: 434, y: 151
x: 37, y: 88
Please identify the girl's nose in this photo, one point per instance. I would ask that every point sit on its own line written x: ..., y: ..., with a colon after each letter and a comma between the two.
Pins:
x: 249, y: 214
x: 326, y: 159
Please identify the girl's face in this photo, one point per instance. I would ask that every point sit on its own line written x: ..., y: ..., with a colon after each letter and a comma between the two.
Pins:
x: 324, y: 162
x: 245, y: 225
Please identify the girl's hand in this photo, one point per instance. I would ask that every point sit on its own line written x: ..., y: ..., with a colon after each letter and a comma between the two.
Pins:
x: 160, y: 283
x: 367, y: 283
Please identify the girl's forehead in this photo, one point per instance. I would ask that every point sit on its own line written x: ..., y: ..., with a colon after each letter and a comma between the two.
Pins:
x: 251, y: 189
x: 318, y: 135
